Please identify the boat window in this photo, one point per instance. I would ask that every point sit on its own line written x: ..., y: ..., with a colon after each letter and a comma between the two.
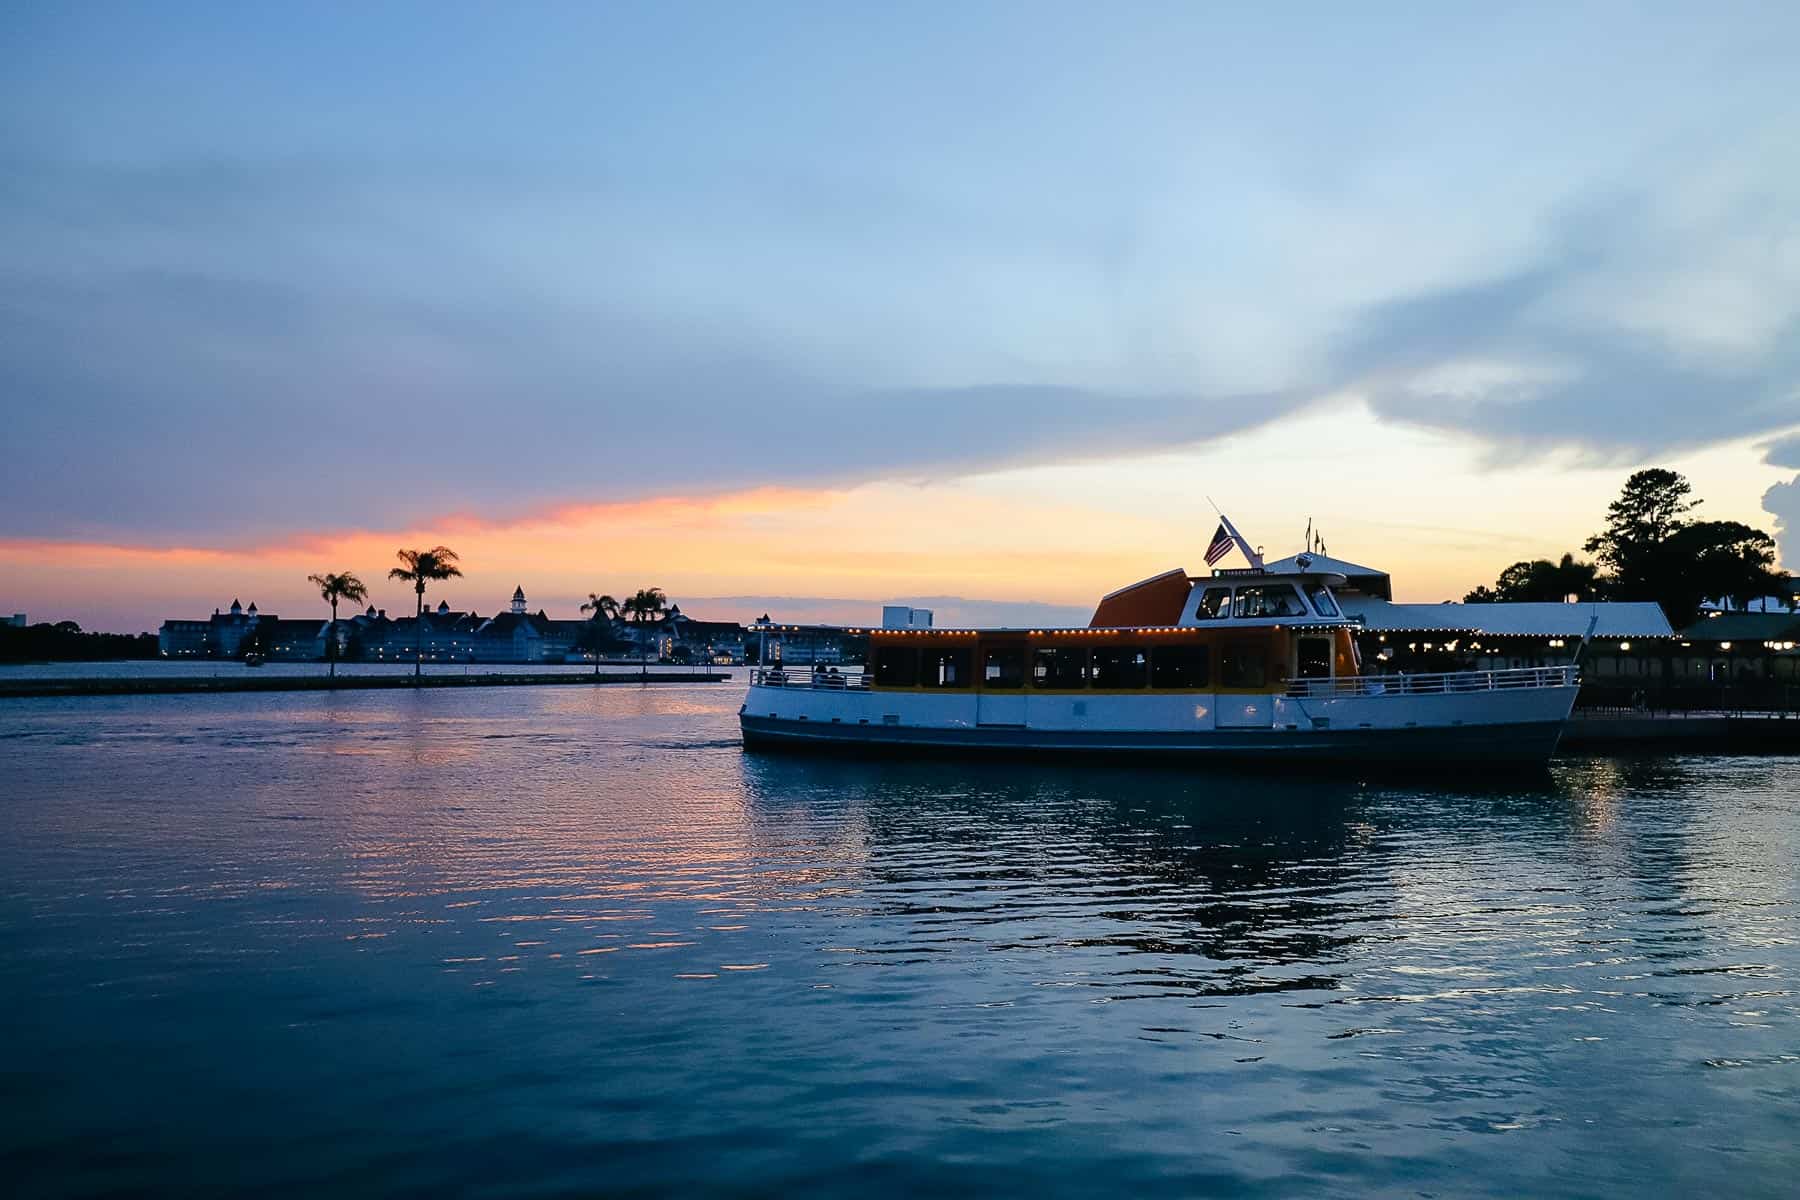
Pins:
x: 1243, y: 666
x: 1314, y: 658
x: 944, y: 669
x: 1003, y: 667
x: 1121, y: 666
x: 1268, y: 600
x: 1215, y: 602
x: 1321, y: 599
x: 1059, y: 669
x: 1180, y: 667
x: 896, y: 666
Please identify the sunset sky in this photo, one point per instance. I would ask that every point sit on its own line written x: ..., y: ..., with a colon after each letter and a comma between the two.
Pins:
x: 803, y: 308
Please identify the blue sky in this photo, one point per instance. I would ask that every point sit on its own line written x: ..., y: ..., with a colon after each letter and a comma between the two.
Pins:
x: 267, y: 270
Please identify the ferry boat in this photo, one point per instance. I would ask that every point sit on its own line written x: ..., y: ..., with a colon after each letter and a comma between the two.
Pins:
x: 1239, y: 663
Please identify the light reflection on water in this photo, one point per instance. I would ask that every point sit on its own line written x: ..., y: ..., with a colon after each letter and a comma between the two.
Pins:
x: 568, y: 941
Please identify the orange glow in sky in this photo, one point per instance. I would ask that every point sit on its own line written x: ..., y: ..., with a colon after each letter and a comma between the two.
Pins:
x: 1427, y: 507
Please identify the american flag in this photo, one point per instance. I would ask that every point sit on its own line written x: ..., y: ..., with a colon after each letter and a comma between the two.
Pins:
x: 1221, y: 545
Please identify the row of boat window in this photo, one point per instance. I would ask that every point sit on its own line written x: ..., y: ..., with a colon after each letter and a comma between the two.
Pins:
x: 1263, y: 600
x: 1061, y: 669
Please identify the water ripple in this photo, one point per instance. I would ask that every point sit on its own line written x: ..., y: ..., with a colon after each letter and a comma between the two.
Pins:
x: 487, y: 942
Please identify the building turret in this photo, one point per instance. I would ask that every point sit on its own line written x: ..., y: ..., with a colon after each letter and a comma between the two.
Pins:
x: 237, y: 610
x: 443, y: 607
x: 518, y: 600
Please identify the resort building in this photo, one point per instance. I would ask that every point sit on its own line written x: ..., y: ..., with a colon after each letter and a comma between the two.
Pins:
x: 526, y: 637
x: 233, y: 633
x: 721, y: 643
x: 436, y: 635
x: 183, y: 639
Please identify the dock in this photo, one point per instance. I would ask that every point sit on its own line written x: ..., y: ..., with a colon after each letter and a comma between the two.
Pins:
x: 1683, y: 733
x: 194, y: 684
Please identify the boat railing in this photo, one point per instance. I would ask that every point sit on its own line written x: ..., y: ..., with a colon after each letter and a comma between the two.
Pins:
x: 1436, y: 683
x: 806, y: 677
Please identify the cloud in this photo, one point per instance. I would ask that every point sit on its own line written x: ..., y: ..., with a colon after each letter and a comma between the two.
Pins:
x: 1782, y: 500
x: 1562, y: 352
x: 158, y: 403
x: 227, y: 349
x: 1783, y: 452
x: 221, y: 363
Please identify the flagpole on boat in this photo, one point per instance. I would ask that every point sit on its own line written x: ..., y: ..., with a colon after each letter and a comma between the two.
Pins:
x: 1250, y: 556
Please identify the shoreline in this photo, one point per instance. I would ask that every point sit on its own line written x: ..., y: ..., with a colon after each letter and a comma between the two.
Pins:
x: 198, y: 684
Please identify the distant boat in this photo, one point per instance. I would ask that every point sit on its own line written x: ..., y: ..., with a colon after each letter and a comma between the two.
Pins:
x: 253, y: 659
x: 1235, y: 664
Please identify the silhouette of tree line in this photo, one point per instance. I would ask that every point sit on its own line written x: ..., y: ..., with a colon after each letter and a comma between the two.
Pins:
x: 1652, y: 550
x: 65, y: 641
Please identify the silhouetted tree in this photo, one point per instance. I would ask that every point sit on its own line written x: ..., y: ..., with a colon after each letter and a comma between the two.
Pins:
x: 1637, y: 546
x: 64, y: 641
x: 418, y: 568
x: 1541, y: 580
x: 333, y: 588
x: 1654, y: 552
x: 606, y: 610
x: 645, y: 606
x: 1729, y: 561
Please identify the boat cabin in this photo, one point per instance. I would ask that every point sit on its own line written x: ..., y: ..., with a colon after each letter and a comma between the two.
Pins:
x: 1233, y: 631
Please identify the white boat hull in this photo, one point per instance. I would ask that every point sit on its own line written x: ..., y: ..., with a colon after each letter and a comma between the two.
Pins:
x: 1520, y: 725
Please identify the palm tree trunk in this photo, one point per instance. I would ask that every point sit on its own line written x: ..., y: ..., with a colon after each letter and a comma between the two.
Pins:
x: 419, y: 636
x: 331, y: 642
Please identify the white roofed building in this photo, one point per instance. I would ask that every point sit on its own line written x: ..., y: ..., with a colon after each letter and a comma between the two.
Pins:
x: 1499, y: 636
x: 1612, y: 618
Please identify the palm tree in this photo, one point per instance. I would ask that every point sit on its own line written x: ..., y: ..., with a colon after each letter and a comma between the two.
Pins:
x: 422, y: 567
x: 332, y: 588
x: 604, y: 608
x: 646, y: 605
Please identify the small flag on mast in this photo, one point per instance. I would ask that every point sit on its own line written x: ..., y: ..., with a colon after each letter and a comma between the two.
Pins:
x: 1222, y: 542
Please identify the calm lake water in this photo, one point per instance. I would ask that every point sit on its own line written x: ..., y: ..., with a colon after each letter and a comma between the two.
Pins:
x: 560, y: 941
x: 215, y: 668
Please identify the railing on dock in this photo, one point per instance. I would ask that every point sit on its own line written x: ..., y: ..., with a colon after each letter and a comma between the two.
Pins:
x: 1658, y: 698
x: 808, y: 677
x: 1435, y: 684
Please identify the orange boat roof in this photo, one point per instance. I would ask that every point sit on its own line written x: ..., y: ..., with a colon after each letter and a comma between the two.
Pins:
x: 1154, y: 601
